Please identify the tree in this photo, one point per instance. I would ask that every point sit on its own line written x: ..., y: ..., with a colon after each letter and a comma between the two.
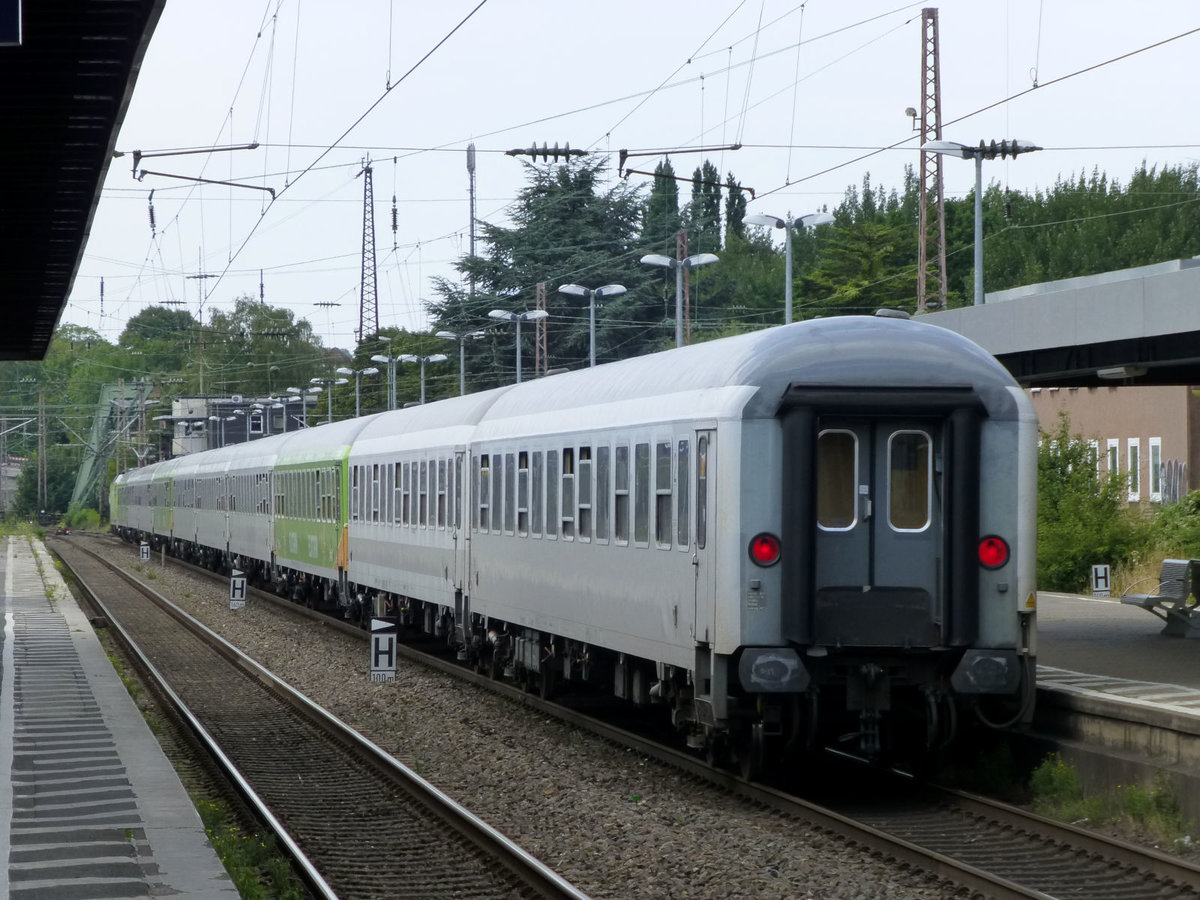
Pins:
x: 566, y: 228
x: 735, y: 208
x: 61, y: 464
x: 662, y: 220
x: 704, y: 212
x: 255, y: 349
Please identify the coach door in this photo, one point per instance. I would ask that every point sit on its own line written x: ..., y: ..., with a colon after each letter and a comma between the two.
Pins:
x: 702, y: 550
x: 879, y: 550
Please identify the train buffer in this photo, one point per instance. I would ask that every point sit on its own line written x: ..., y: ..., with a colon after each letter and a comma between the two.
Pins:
x: 1173, y: 600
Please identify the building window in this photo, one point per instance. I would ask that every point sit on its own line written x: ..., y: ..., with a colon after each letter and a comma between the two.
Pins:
x: 1114, y: 464
x: 1134, y: 459
x: 1156, y: 492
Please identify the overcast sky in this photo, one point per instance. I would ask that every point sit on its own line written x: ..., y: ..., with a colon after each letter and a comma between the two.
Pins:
x: 807, y: 89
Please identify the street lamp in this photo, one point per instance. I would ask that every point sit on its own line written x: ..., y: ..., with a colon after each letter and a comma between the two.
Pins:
x: 979, y: 154
x: 609, y: 290
x: 409, y: 357
x: 327, y: 384
x: 666, y: 262
x: 462, y: 340
x: 808, y: 221
x: 390, y: 362
x: 531, y: 315
x: 358, y: 374
x: 301, y: 394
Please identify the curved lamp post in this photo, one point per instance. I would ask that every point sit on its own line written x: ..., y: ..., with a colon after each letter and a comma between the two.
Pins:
x: 666, y: 262
x: 434, y: 358
x: 462, y: 340
x: 979, y: 154
x: 358, y: 374
x: 808, y: 221
x: 327, y: 385
x: 531, y: 315
x: 608, y: 290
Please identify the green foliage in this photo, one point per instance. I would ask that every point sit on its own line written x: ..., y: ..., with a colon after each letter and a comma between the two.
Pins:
x: 1058, y: 793
x: 1082, y: 518
x: 254, y: 863
x: 60, y: 482
x: 1174, y: 530
x: 82, y: 519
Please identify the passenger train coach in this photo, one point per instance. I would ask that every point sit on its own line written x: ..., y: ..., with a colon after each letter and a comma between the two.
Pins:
x: 820, y: 534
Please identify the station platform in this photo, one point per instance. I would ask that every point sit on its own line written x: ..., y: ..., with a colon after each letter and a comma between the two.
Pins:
x: 1098, y: 646
x: 89, y: 805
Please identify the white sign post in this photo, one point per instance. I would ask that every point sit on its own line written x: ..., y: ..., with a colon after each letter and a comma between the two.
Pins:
x: 237, y: 590
x: 1100, y: 583
x: 145, y: 551
x: 383, y: 650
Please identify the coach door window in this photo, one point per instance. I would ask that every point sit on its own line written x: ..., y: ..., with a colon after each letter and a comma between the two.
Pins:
x: 662, y: 495
x: 551, y: 493
x: 910, y: 470
x: 641, y: 494
x: 602, y: 489
x: 701, y: 491
x: 538, y: 500
x: 568, y: 493
x: 584, y: 489
x: 837, y: 480
x: 484, y: 492
x: 621, y: 496
x: 684, y: 480
x: 523, y: 493
x: 510, y: 493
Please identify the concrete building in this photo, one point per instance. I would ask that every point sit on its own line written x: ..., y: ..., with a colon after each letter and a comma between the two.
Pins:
x: 1151, y: 433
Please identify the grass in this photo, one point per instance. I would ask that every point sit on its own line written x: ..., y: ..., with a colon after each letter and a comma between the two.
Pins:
x: 1058, y: 794
x: 258, y: 870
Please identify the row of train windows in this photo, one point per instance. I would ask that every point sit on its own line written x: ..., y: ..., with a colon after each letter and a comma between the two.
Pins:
x: 302, y: 494
x: 414, y: 493
x: 909, y: 489
x: 595, y: 493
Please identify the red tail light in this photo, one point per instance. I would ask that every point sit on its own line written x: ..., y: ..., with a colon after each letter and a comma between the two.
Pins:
x: 764, y: 549
x: 993, y: 552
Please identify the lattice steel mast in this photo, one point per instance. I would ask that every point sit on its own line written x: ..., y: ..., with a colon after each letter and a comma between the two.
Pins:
x: 368, y: 308
x: 931, y: 167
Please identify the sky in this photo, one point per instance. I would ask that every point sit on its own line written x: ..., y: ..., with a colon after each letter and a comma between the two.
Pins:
x: 814, y: 93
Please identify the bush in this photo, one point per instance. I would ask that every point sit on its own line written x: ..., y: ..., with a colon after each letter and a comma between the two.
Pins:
x: 1082, y: 518
x: 79, y: 519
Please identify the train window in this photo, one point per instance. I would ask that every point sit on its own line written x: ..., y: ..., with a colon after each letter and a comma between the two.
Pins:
x: 423, y: 495
x: 837, y: 480
x: 551, y: 493
x: 497, y: 491
x: 375, y: 489
x: 523, y: 493
x: 641, y: 494
x: 585, y: 493
x: 510, y: 493
x: 621, y: 496
x: 484, y: 477
x: 405, y: 493
x: 701, y: 491
x: 684, y: 481
x: 354, y: 495
x: 458, y: 493
x: 568, y: 493
x: 603, y: 480
x: 536, y: 501
x: 398, y: 492
x: 663, y: 499
x: 441, y: 494
x: 910, y: 467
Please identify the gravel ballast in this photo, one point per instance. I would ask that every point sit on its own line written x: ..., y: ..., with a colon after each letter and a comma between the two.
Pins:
x: 611, y: 821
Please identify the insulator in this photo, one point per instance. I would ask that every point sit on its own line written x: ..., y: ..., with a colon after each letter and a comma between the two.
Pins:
x: 150, y: 200
x: 395, y: 217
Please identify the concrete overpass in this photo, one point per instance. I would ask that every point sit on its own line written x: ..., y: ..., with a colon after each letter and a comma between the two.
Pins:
x: 1133, y: 326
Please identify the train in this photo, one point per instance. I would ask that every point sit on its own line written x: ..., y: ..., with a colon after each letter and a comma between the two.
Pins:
x: 814, y: 536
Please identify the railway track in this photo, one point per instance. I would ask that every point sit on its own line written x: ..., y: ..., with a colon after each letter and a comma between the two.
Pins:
x: 990, y: 848
x: 357, y: 823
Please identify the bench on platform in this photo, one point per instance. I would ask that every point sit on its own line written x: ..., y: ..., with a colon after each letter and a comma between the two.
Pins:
x: 1172, y: 601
